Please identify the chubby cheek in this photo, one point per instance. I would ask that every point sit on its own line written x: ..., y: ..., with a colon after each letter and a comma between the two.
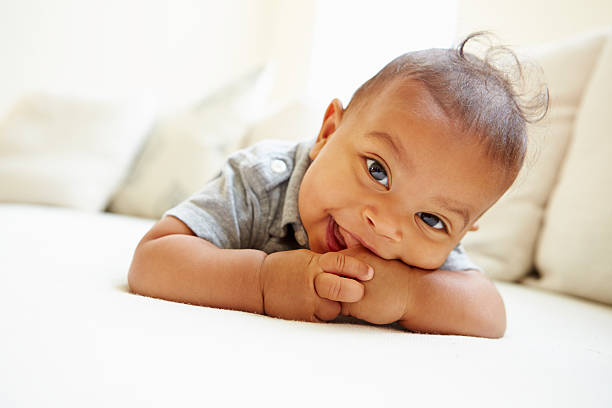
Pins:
x: 312, y: 209
x: 427, y: 256
x: 332, y: 183
x: 325, y: 191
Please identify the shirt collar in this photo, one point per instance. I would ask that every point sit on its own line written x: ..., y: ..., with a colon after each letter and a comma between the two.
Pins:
x: 291, y: 212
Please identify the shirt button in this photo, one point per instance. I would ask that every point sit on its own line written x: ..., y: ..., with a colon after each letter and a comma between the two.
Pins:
x: 278, y: 166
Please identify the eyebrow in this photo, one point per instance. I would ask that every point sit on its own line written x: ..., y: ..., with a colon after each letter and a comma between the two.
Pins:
x: 388, y: 140
x: 456, y: 207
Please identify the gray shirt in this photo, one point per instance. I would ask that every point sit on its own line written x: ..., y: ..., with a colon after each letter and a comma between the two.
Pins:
x: 253, y: 202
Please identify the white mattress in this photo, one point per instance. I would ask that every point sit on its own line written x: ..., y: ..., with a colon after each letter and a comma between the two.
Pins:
x: 72, y: 335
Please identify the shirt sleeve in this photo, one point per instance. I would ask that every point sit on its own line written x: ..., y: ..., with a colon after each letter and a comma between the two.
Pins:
x: 225, y: 212
x: 458, y: 260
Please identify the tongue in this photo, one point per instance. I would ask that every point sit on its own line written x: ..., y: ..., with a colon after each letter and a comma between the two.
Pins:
x: 339, y: 236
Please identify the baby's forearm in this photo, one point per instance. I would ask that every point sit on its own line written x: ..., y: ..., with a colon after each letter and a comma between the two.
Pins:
x: 445, y: 302
x: 188, y: 269
x: 454, y: 302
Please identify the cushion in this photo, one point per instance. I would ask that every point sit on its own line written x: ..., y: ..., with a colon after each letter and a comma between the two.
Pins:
x: 187, y: 148
x: 298, y: 120
x: 574, y: 248
x: 70, y: 152
x: 505, y: 244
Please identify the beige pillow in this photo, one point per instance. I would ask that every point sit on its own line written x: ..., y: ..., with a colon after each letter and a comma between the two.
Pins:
x: 67, y: 151
x: 186, y: 149
x: 297, y: 121
x: 505, y: 244
x: 573, y: 255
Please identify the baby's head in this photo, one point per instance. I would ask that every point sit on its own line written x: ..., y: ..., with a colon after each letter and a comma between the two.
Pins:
x: 423, y: 149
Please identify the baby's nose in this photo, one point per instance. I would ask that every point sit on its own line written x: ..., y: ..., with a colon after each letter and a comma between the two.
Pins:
x: 383, y: 225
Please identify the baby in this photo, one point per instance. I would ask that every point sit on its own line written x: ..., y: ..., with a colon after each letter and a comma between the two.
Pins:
x: 366, y: 220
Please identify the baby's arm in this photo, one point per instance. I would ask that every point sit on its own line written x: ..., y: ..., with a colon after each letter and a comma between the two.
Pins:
x: 445, y: 302
x: 172, y: 263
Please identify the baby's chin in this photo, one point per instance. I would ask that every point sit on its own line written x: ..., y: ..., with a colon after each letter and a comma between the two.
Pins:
x: 426, y: 265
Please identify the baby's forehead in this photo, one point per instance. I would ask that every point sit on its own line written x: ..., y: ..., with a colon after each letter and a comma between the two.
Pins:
x: 409, y: 102
x: 409, y: 98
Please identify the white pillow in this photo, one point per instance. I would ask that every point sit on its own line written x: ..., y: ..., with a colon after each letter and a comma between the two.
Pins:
x: 186, y: 149
x: 67, y: 151
x: 573, y: 255
x: 505, y: 244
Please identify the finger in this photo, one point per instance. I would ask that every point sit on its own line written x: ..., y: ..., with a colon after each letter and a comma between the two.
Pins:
x: 327, y: 310
x: 345, y: 308
x: 344, y: 265
x: 337, y: 288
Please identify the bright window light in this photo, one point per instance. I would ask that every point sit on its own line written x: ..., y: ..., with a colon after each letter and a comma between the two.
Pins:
x: 354, y: 39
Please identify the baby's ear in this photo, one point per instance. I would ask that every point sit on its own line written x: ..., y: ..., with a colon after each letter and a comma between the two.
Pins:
x: 331, y: 121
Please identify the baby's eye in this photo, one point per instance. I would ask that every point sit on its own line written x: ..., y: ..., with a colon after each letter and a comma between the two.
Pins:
x: 378, y: 172
x: 431, y: 220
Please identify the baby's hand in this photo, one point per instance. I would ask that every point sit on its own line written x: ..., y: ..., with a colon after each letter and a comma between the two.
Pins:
x: 305, y: 285
x: 385, y: 299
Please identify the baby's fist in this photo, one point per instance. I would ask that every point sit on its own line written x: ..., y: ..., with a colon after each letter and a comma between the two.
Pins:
x: 304, y: 285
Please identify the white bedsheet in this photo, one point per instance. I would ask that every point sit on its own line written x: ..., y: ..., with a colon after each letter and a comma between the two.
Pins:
x: 72, y: 335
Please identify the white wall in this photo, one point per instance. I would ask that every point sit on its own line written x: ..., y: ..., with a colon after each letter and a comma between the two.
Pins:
x: 174, y: 50
x: 178, y: 51
x: 289, y: 36
x: 354, y: 39
x: 527, y: 22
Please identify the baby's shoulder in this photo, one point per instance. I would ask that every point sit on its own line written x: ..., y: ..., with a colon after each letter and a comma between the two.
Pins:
x: 264, y: 151
x: 267, y: 164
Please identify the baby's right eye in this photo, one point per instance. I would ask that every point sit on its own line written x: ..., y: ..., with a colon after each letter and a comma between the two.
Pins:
x: 378, y: 172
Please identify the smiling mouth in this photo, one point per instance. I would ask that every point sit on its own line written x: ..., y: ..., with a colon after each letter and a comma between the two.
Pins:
x: 335, y: 240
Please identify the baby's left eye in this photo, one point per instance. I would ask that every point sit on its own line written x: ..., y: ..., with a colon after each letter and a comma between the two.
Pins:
x: 378, y: 172
x: 432, y: 220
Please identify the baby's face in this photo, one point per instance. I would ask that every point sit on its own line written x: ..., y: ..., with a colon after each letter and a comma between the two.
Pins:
x: 395, y: 177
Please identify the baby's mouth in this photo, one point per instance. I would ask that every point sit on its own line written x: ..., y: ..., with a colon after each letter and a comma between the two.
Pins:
x: 335, y: 240
x: 339, y: 238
